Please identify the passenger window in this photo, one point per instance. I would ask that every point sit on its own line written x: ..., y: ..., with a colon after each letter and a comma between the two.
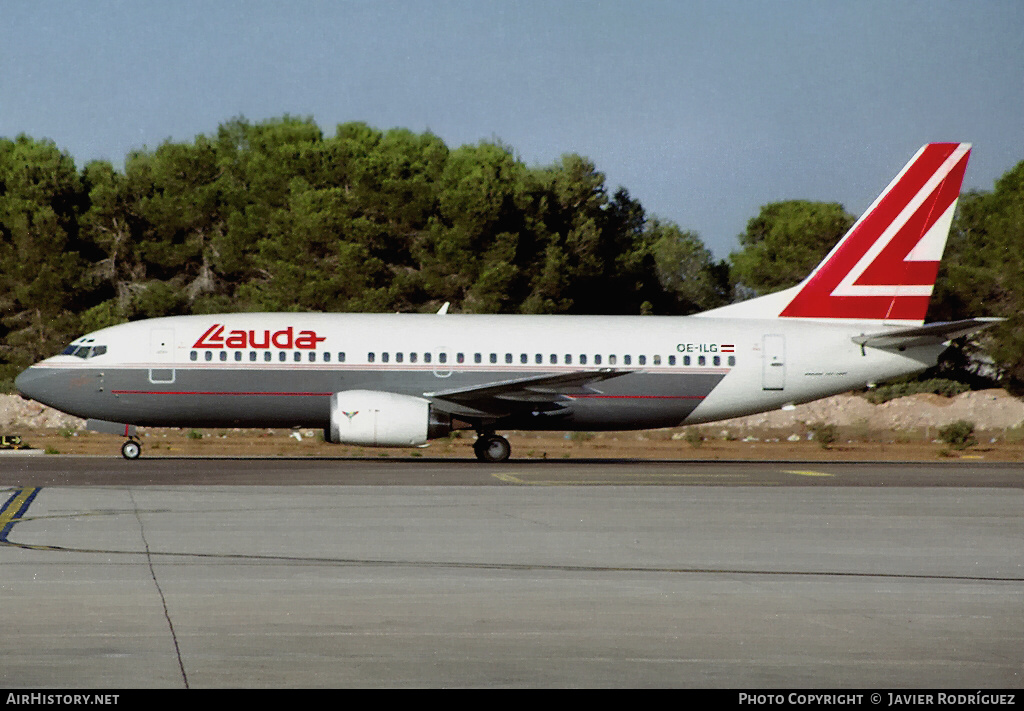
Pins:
x: 460, y: 358
x: 523, y: 358
x: 442, y: 357
x: 252, y: 356
x: 327, y: 357
x: 477, y: 358
x: 312, y: 356
x: 98, y: 351
x: 686, y: 360
x: 701, y: 360
x: 266, y: 356
x: 209, y: 355
x: 193, y: 356
x: 427, y: 357
x: 671, y: 360
x: 508, y: 357
x: 385, y: 357
x: 296, y: 356
x: 732, y: 360
x: 583, y: 359
x: 412, y: 357
x: 538, y: 359
x: 597, y: 360
x: 494, y: 357
x: 341, y: 356
x: 370, y: 357
x: 282, y: 356
x: 238, y: 356
x: 554, y: 359
x: 568, y: 359
x: 717, y: 360
x: 399, y: 357
x: 627, y: 360
x: 642, y: 360
x: 612, y: 360
x: 657, y: 360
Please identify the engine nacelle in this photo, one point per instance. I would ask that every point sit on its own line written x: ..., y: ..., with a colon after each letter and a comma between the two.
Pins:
x: 381, y: 419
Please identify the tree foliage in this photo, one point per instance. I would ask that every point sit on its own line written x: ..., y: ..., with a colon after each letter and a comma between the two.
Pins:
x: 785, y: 242
x: 982, y: 272
x: 278, y: 216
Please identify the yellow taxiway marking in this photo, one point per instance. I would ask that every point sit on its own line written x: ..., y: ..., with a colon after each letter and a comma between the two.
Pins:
x: 800, y: 472
x: 13, y: 507
x: 641, y: 480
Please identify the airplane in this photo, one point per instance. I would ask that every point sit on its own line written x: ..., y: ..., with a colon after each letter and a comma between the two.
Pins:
x: 399, y: 380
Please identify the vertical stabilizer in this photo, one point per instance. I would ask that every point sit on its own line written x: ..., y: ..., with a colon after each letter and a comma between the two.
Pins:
x: 884, y: 268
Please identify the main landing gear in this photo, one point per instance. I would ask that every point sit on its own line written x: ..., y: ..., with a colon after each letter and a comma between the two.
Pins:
x: 490, y: 447
x: 131, y: 449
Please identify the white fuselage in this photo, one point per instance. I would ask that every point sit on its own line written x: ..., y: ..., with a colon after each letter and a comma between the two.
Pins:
x: 281, y: 369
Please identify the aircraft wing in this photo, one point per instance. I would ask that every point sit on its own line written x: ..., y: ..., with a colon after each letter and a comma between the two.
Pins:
x: 928, y: 335
x: 542, y: 392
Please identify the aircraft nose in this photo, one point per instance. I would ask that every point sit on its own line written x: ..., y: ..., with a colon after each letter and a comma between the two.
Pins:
x: 35, y: 383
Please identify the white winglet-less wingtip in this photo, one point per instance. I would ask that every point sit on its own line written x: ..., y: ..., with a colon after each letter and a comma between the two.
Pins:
x: 402, y: 379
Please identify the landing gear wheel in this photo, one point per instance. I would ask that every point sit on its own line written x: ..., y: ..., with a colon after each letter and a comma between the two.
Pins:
x: 131, y: 449
x: 492, y: 448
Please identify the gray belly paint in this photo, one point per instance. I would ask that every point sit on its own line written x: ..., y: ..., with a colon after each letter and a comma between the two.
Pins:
x: 208, y: 396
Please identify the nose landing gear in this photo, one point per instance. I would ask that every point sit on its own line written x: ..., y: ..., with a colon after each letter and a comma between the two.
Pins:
x: 490, y: 447
x: 131, y: 449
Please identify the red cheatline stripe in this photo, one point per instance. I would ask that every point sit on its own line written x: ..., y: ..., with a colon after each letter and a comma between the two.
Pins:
x: 638, y: 397
x: 302, y: 394
x: 205, y: 392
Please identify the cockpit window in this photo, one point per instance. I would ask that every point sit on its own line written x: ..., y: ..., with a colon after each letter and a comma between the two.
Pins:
x: 80, y: 351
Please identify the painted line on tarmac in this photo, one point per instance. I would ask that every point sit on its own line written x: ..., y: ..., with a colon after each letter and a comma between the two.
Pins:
x: 12, y: 511
x: 519, y: 479
x: 800, y: 472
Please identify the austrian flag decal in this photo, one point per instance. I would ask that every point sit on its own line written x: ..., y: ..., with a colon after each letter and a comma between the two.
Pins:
x: 885, y: 266
x: 284, y: 339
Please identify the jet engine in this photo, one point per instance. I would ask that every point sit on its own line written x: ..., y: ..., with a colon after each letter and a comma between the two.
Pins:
x: 381, y: 419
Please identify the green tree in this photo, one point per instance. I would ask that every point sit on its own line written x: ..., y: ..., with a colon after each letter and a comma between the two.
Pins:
x: 687, y: 272
x: 785, y: 242
x: 982, y: 272
x: 41, y: 266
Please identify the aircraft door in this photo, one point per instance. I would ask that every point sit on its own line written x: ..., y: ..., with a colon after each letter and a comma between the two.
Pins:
x: 161, y: 353
x: 773, y: 367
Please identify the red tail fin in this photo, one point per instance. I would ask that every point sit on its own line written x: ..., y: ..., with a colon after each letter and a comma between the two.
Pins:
x: 885, y: 266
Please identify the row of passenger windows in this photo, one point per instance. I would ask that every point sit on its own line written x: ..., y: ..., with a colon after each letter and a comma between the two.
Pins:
x: 268, y: 356
x: 442, y: 358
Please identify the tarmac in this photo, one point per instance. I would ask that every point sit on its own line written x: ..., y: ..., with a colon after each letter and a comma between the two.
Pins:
x: 277, y: 573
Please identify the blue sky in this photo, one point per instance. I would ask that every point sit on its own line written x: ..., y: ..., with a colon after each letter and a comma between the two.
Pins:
x: 704, y: 111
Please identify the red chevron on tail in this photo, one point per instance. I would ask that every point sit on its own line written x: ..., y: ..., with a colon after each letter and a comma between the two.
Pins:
x: 885, y: 266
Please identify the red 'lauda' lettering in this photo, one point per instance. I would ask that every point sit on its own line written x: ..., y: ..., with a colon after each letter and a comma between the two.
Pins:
x: 285, y: 339
x: 212, y: 338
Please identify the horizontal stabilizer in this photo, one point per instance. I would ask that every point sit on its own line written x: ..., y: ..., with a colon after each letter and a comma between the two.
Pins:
x: 929, y: 335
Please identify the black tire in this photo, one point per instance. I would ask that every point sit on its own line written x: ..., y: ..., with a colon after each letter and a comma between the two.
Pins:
x: 492, y: 449
x: 131, y: 449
